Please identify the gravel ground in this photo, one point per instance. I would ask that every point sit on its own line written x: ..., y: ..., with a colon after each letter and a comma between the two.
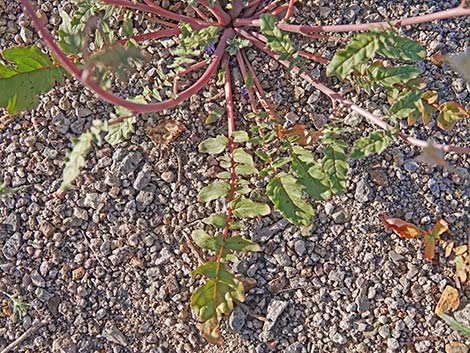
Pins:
x: 107, y: 267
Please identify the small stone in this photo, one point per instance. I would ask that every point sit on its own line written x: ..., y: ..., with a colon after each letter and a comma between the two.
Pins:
x: 11, y: 247
x: 42, y: 294
x: 296, y: 347
x: 363, y: 191
x: 237, y: 319
x: 165, y: 256
x: 142, y: 180
x: 145, y: 198
x: 64, y: 103
x: 78, y: 273
x: 83, y: 112
x: 276, y: 284
x: 395, y: 257
x: 168, y: 176
x: 275, y: 309
x: 53, y: 305
x: 410, y: 166
x: 456, y: 347
x: 61, y: 123
x: 292, y: 117
x: 384, y: 331
x: 37, y: 279
x: 340, y: 217
x: 392, y: 344
x: 463, y: 315
x: 353, y: 119
x: 339, y: 338
x: 100, y: 314
x: 336, y: 276
x: 434, y: 187
x: 362, y: 301
x: 113, y: 335
x: 299, y: 247
x: 47, y: 229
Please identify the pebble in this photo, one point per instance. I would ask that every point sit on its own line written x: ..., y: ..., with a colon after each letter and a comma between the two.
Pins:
x: 456, y: 347
x: 275, y: 309
x: 410, y: 166
x: 11, y: 247
x: 168, y: 176
x: 37, y: 279
x: 363, y: 192
x: 341, y: 216
x: 237, y: 319
x: 299, y: 247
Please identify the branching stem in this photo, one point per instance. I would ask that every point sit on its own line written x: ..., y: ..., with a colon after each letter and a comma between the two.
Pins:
x: 373, y: 119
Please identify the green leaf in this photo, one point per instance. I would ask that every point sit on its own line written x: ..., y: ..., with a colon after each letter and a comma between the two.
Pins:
x: 310, y: 174
x: 215, y: 298
x: 244, y: 169
x: 456, y: 325
x: 362, y: 48
x: 286, y: 194
x: 120, y: 132
x: 217, y: 220
x: 335, y: 166
x: 241, y: 156
x: 449, y: 114
x: 214, y: 191
x: 31, y: 73
x: 393, y: 46
x: 277, y: 40
x: 238, y: 243
x: 215, y: 115
x: 214, y: 145
x: 405, y: 104
x: 205, y: 241
x: 376, y: 142
x: 426, y: 107
x: 75, y: 159
x: 388, y: 77
x: 245, y: 208
x: 240, y: 136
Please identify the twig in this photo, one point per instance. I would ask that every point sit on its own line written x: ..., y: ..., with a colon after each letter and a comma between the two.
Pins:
x: 24, y: 336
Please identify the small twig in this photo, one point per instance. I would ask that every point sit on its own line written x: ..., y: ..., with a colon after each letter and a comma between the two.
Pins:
x: 180, y: 170
x: 95, y: 254
x: 24, y: 336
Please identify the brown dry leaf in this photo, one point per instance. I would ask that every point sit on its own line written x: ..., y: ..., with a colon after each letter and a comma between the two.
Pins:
x: 448, y: 248
x: 378, y: 176
x: 438, y: 58
x: 402, y: 228
x: 165, y: 132
x: 432, y: 237
x: 299, y: 134
x: 449, y: 301
x: 6, y: 310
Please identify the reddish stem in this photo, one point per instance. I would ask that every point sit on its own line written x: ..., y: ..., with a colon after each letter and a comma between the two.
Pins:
x: 242, y: 66
x: 222, y: 17
x: 279, y: 10
x: 201, y: 13
x: 290, y: 8
x: 160, y: 11
x: 112, y: 98
x: 307, y: 30
x: 251, y: 8
x: 375, y: 120
x: 314, y: 57
x: 231, y: 145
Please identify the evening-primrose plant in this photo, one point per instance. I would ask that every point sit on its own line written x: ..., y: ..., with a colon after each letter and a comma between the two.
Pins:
x: 98, y: 43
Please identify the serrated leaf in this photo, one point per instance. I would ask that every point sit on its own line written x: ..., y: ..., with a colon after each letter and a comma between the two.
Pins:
x: 120, y: 132
x: 214, y: 191
x: 215, y: 298
x: 238, y: 243
x: 310, y: 174
x: 449, y: 114
x: 205, y: 241
x: 277, y: 40
x: 214, y: 145
x: 362, y: 48
x: 75, y: 159
x: 245, y: 208
x: 286, y: 194
x: 376, y: 142
x: 30, y: 74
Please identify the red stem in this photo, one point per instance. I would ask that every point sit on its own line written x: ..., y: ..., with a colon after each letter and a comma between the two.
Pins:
x: 375, y: 120
x: 306, y: 30
x: 112, y: 98
x: 223, y: 17
x: 241, y: 64
x: 201, y: 13
x: 314, y: 57
x: 289, y: 10
x: 160, y: 11
x: 231, y: 145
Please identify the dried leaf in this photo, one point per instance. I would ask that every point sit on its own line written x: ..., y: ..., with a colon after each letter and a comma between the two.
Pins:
x: 438, y: 58
x: 402, y: 228
x: 165, y: 133
x: 448, y: 249
x: 449, y: 301
x: 432, y: 237
x: 461, y: 250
